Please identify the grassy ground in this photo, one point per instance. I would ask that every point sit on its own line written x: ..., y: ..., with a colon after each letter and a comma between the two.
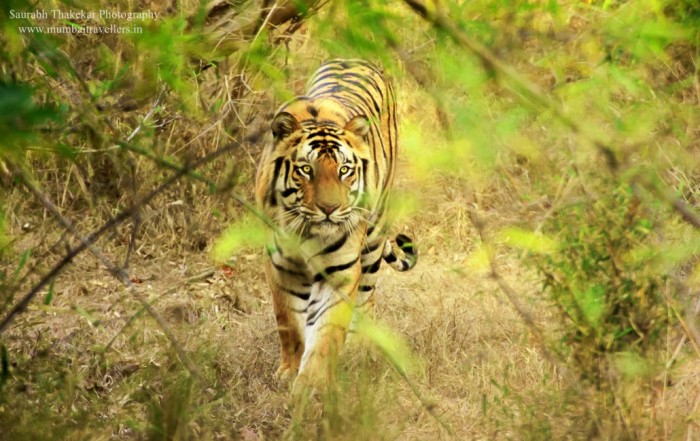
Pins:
x: 476, y: 366
x: 471, y: 352
x: 85, y: 362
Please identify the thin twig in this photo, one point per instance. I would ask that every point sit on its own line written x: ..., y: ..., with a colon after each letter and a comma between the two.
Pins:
x: 510, y: 293
x: 531, y: 93
x: 116, y: 271
x: 134, y: 189
x: 21, y: 306
x: 136, y: 315
x: 429, y: 407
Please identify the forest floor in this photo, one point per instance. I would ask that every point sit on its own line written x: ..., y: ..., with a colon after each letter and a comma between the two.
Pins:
x: 85, y: 361
x: 91, y: 363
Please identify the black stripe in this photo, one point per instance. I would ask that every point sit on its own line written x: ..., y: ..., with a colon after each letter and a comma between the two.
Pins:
x: 404, y: 242
x: 402, y: 239
x: 366, y: 93
x: 285, y: 270
x: 364, y: 77
x: 391, y: 258
x: 327, y: 67
x: 335, y: 246
x: 332, y: 88
x: 287, y: 165
x: 320, y: 307
x: 297, y: 294
x: 334, y: 269
x: 365, y: 288
x: 365, y: 164
x: 273, y: 182
x: 376, y: 85
x: 372, y: 268
x: 323, y: 140
x: 288, y: 192
x: 319, y: 80
x: 371, y: 248
x: 313, y: 318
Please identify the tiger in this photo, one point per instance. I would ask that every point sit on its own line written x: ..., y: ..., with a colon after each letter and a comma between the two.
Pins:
x: 325, y: 180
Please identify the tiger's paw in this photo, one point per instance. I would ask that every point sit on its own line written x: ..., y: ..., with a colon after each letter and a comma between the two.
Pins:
x: 285, y: 374
x: 305, y: 388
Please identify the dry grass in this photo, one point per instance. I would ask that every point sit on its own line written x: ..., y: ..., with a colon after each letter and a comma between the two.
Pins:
x: 476, y: 364
x: 91, y: 365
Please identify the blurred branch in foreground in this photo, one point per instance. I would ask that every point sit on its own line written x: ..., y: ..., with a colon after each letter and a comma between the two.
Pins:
x: 530, y: 92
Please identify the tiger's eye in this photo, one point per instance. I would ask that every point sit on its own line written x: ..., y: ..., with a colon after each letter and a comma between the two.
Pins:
x: 306, y: 169
x: 344, y: 169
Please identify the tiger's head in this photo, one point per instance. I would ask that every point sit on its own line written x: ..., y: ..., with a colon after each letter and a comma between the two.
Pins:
x: 320, y: 174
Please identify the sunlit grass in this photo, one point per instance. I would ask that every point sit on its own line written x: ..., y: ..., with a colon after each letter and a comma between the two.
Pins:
x: 449, y: 352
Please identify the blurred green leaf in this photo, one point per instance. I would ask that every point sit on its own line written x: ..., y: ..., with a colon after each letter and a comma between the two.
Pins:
x: 592, y: 304
x: 20, y: 116
x: 386, y: 340
x: 49, y: 294
x: 631, y: 364
x: 527, y: 240
x: 4, y: 238
x: 244, y: 233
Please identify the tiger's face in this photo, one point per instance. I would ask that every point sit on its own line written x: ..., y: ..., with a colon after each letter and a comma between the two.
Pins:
x: 322, y: 175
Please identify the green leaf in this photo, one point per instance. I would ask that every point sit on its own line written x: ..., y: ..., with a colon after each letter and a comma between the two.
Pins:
x: 386, y: 340
x: 528, y: 240
x: 49, y: 295
x: 592, y: 303
x: 631, y: 365
x: 91, y: 319
x: 20, y: 116
x: 247, y: 232
x: 4, y: 238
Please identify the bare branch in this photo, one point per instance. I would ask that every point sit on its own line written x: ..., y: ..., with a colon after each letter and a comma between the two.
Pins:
x: 21, y: 306
x: 117, y: 272
x: 531, y: 93
x: 510, y: 293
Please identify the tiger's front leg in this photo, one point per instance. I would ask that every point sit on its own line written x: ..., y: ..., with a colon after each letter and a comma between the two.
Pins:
x: 327, y: 321
x: 287, y: 301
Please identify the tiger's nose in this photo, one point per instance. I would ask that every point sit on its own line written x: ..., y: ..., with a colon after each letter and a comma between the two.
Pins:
x: 327, y: 208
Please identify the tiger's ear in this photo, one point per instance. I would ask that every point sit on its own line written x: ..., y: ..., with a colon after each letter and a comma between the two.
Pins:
x: 359, y: 125
x: 284, y: 124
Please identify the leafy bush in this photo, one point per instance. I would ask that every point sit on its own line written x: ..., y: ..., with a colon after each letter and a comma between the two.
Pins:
x: 608, y: 300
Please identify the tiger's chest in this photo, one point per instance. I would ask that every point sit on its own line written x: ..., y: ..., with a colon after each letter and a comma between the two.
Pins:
x: 318, y: 258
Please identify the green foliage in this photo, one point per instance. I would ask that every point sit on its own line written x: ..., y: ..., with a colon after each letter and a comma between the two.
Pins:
x: 526, y: 240
x: 247, y: 232
x: 21, y: 117
x: 611, y: 260
x: 607, y: 301
x: 386, y: 341
x: 5, y: 240
x: 170, y: 413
